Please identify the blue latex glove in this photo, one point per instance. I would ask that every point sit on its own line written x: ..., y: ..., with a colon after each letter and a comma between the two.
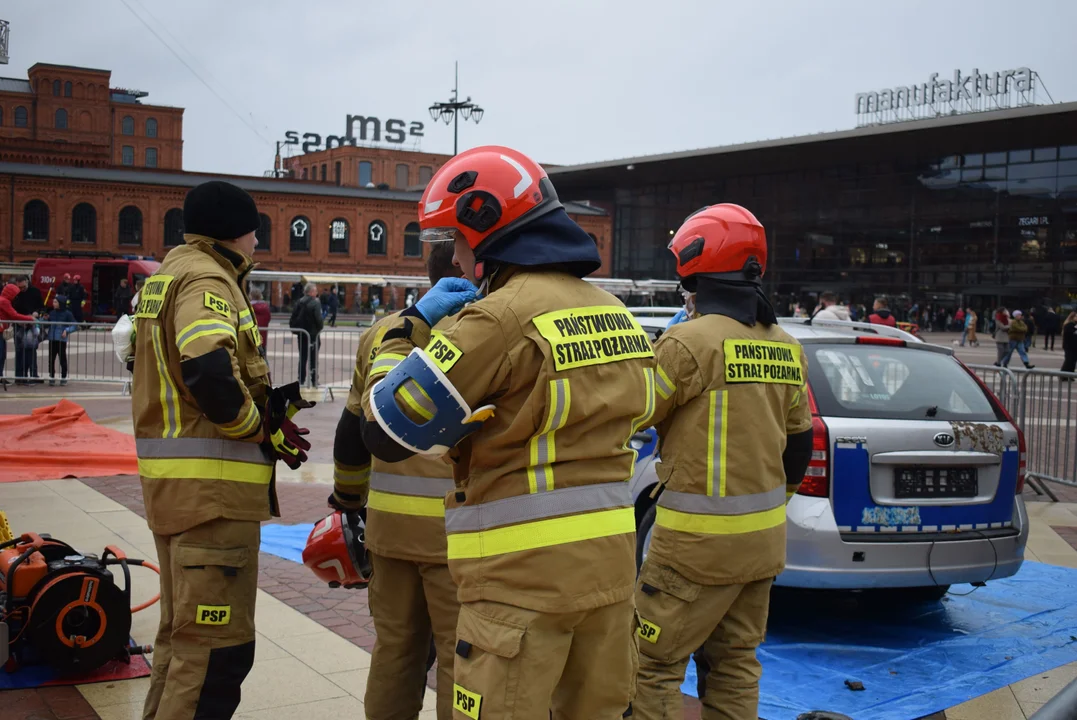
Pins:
x: 446, y: 298
x: 681, y: 316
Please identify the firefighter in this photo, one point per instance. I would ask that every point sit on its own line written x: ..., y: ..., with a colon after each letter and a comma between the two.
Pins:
x: 208, y: 429
x: 735, y: 439
x: 411, y: 592
x: 534, y: 390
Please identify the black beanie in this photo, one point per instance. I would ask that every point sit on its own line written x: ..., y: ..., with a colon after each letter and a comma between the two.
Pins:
x: 219, y: 210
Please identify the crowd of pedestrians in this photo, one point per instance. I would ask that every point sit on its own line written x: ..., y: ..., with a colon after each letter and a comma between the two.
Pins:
x: 26, y: 322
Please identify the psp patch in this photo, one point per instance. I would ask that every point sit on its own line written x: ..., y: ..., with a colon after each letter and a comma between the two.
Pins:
x: 442, y: 352
x: 762, y: 361
x: 213, y: 614
x: 377, y: 343
x: 152, y: 296
x: 595, y: 335
x: 218, y: 305
x: 648, y: 631
x: 467, y: 702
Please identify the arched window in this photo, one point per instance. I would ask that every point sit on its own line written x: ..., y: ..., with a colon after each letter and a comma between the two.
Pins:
x: 56, y: 88
x: 127, y: 155
x: 35, y: 221
x: 299, y: 235
x: 151, y: 127
x: 425, y: 173
x: 130, y: 226
x: 174, y: 227
x: 304, y: 173
x: 84, y: 224
x: 20, y: 116
x: 412, y: 246
x: 339, y: 236
x: 127, y: 125
x: 323, y: 172
x: 401, y: 175
x: 375, y: 238
x: 67, y: 88
x: 366, y: 173
x: 151, y: 157
x: 264, y: 233
x: 61, y: 119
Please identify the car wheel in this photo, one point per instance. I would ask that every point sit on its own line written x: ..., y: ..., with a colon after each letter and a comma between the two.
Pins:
x: 643, y: 536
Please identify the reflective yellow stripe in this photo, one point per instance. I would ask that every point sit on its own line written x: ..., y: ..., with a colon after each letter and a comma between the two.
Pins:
x: 244, y: 427
x: 719, y: 524
x: 351, y: 478
x: 421, y: 403
x: 717, y: 427
x: 542, y: 533
x: 170, y: 413
x: 205, y: 469
x: 665, y: 386
x: 406, y: 504
x: 790, y: 493
x: 543, y: 447
x: 202, y: 328
x: 245, y: 320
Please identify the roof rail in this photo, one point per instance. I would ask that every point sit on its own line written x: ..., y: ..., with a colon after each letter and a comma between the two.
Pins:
x: 884, y: 330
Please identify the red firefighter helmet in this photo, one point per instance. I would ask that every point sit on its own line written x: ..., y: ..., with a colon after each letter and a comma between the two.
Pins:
x: 336, y: 550
x: 721, y: 239
x: 484, y: 193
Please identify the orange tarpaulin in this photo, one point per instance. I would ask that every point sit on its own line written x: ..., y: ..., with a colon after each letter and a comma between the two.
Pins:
x: 61, y: 441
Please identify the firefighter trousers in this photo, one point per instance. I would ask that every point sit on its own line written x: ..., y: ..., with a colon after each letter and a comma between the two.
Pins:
x: 205, y: 641
x: 518, y: 664
x: 409, y: 601
x: 677, y: 617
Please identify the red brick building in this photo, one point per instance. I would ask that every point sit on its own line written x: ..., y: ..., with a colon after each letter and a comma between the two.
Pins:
x: 69, y: 188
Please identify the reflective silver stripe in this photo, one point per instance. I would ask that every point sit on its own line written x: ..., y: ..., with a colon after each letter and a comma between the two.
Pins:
x: 665, y: 387
x: 729, y: 505
x: 207, y: 448
x: 209, y: 328
x: 383, y: 364
x: 541, y: 454
x: 538, y: 506
x: 411, y: 485
x: 421, y: 398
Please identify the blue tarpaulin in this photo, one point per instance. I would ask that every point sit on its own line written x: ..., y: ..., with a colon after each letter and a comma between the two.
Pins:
x: 913, y: 660
x: 917, y: 659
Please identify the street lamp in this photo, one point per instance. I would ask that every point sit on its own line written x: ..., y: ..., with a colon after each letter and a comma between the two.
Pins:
x: 449, y: 111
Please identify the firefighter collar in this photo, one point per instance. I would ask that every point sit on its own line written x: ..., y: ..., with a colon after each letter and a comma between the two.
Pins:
x: 418, y: 384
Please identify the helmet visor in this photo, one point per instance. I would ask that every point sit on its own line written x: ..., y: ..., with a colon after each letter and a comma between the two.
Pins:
x: 438, y: 234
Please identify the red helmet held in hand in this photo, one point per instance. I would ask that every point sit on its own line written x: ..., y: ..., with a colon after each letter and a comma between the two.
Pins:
x: 336, y: 551
x: 721, y: 240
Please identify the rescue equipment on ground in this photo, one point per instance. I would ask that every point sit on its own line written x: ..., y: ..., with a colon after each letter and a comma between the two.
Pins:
x: 419, y: 383
x: 62, y: 608
x: 336, y: 550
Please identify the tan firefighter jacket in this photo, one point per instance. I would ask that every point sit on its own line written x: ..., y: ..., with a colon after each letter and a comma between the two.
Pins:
x: 199, y: 390
x: 542, y: 518
x: 727, y: 397
x: 405, y: 501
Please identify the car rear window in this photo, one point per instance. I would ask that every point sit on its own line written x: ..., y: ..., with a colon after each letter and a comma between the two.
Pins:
x: 874, y: 381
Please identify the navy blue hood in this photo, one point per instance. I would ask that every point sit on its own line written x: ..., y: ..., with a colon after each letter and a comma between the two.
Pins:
x: 552, y: 240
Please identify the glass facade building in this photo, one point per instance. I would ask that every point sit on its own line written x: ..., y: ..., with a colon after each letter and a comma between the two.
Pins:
x: 974, y: 210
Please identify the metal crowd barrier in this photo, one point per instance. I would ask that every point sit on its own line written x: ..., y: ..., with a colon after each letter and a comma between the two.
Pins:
x: 1048, y: 416
x: 1044, y: 405
x: 336, y: 360
x: 90, y: 355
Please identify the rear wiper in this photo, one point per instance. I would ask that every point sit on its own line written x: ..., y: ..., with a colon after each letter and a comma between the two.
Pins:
x: 933, y: 411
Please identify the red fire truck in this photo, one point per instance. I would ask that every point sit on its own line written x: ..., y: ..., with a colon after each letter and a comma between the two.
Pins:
x: 99, y: 274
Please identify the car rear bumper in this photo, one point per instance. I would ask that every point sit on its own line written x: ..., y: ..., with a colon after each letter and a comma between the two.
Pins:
x: 818, y: 556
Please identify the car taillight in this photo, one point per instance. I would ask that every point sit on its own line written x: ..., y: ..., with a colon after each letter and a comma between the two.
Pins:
x: 816, y: 481
x: 1020, y: 460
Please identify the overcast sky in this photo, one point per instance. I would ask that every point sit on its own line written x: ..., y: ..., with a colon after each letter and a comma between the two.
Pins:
x: 567, y: 81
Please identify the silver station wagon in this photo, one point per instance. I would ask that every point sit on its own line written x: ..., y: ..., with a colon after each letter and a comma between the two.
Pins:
x: 916, y: 473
